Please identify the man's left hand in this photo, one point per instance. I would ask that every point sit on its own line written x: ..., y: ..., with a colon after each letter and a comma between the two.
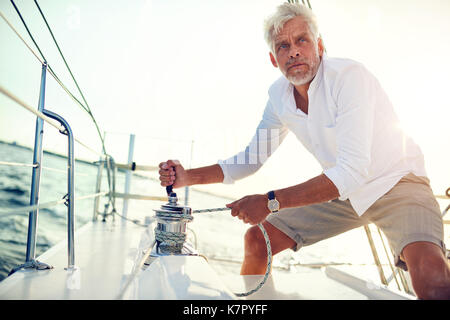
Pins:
x: 250, y: 209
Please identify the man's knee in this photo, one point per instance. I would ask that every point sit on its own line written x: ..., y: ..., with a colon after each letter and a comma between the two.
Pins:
x: 429, y: 271
x: 255, y: 244
x: 431, y: 279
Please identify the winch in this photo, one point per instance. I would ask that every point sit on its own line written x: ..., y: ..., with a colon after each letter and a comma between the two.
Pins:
x: 171, y: 229
x: 170, y: 234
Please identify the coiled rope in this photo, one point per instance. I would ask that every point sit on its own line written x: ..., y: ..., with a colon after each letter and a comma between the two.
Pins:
x: 269, y: 252
x: 268, y: 267
x: 172, y: 242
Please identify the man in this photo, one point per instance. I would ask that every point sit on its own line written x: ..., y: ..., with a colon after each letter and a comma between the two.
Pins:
x: 372, y: 172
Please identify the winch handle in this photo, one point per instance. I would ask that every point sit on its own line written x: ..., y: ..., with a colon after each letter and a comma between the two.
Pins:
x: 169, y: 189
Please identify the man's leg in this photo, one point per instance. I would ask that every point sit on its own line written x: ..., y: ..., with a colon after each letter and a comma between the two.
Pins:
x: 429, y: 270
x: 255, y: 258
x: 293, y: 228
x: 410, y: 217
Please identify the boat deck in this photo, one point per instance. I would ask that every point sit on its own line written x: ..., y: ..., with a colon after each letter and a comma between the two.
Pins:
x: 106, y: 255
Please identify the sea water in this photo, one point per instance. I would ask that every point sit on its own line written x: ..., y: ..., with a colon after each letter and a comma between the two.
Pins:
x: 217, y: 235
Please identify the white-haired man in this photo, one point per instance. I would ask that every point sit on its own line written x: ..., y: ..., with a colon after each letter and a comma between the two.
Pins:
x: 372, y: 172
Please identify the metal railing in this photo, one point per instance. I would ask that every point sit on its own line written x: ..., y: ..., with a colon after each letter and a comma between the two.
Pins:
x: 62, y: 125
x: 70, y: 202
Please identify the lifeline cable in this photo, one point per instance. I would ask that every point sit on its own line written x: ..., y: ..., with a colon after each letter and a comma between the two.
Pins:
x: 87, y: 108
x: 42, y: 59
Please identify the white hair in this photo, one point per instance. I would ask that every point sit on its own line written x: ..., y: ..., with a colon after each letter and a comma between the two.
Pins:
x: 285, y: 12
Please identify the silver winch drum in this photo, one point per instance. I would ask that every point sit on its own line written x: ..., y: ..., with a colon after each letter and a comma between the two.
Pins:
x: 171, y: 228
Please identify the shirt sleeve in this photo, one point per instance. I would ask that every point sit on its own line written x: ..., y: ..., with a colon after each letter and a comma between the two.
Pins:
x: 268, y: 136
x: 356, y: 93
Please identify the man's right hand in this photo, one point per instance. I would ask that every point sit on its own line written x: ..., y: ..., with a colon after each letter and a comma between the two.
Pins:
x: 172, y: 173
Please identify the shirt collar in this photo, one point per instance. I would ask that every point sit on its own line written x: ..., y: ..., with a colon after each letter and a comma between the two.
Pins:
x: 318, y: 77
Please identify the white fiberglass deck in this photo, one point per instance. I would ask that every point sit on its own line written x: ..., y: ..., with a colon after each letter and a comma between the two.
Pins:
x: 105, y: 256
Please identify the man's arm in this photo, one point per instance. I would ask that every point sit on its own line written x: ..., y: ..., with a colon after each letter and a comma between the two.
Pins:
x: 173, y: 173
x: 315, y: 190
x: 253, y: 209
x: 205, y: 175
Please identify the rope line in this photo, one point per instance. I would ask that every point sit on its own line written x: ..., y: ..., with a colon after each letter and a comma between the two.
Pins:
x: 174, y: 240
x: 169, y: 241
x: 20, y: 164
x: 268, y: 268
x: 32, y: 110
x: 26, y: 209
x: 17, y: 164
x: 269, y: 252
x: 210, y: 210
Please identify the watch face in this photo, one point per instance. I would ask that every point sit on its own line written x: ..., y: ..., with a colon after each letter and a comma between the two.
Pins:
x: 273, y: 205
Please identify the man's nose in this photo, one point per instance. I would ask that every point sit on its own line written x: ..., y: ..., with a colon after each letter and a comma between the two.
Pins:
x: 295, y: 52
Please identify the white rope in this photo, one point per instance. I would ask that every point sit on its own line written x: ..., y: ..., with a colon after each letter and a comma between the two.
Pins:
x: 269, y: 252
x: 31, y: 109
x: 268, y: 268
x: 210, y: 210
x: 171, y: 242
x: 25, y: 209
x: 17, y: 164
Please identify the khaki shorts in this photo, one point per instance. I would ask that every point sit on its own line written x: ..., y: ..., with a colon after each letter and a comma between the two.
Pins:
x: 408, y: 213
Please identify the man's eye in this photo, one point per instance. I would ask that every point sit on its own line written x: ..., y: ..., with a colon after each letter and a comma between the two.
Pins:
x: 283, y: 46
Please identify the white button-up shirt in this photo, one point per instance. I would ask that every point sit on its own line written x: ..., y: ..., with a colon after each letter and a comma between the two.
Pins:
x: 351, y: 129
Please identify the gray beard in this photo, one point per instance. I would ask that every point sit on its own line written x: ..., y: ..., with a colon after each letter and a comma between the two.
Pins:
x: 300, y: 79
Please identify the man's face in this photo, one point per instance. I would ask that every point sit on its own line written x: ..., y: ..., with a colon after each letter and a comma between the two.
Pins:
x: 296, y: 52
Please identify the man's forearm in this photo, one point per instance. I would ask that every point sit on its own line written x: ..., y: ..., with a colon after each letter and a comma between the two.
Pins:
x: 316, y: 190
x: 205, y: 175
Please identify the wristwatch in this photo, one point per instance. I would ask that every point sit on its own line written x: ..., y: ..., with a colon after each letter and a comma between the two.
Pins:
x: 272, y: 203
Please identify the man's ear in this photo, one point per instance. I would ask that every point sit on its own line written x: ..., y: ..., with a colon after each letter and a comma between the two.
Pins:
x: 272, y: 59
x: 321, y: 47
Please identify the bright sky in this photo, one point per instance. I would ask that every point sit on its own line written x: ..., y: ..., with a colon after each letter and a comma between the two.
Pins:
x: 199, y: 71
